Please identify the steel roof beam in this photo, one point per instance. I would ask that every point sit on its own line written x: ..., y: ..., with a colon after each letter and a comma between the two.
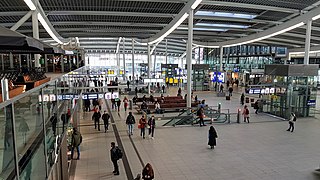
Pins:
x: 258, y: 36
x: 250, y: 6
x: 111, y: 13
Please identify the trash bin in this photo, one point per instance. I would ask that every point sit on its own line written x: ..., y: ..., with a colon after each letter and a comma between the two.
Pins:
x: 252, y: 100
x: 247, y: 100
x: 130, y: 104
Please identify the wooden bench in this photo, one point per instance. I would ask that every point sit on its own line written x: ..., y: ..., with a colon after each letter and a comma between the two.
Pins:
x: 139, y: 99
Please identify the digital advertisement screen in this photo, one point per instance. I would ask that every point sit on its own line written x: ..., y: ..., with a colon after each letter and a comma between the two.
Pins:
x: 217, y: 77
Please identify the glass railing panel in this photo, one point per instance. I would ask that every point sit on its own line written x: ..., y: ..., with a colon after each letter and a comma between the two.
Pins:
x: 29, y: 120
x: 32, y: 166
x: 7, y: 163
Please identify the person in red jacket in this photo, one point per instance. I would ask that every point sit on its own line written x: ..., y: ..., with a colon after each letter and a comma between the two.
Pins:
x: 142, y: 123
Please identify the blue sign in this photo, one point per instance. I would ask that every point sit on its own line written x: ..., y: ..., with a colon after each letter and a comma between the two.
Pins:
x: 311, y: 102
x: 218, y: 77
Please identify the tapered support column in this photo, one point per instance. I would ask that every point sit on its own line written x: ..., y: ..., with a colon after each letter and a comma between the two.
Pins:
x: 46, y: 62
x: 166, y: 51
x: 20, y: 61
x: 124, y: 59
x: 155, y: 61
x: 149, y: 67
x: 35, y: 31
x: 133, y: 77
x: 11, y: 60
x: 307, y: 42
x: 189, y: 57
x: 62, y: 63
x: 221, y: 58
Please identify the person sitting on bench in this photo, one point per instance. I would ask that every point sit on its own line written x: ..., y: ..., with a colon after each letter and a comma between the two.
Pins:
x: 157, y: 108
x: 144, y: 107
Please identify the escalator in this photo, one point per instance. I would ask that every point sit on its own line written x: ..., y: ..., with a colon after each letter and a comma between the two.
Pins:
x: 189, y: 117
x: 183, y: 118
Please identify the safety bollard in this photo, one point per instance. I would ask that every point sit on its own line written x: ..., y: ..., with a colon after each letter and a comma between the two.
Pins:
x: 239, y: 115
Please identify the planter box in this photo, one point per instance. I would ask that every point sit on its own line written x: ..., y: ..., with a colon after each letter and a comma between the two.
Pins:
x: 14, y: 92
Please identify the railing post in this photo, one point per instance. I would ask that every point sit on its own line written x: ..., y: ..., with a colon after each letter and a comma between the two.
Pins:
x: 238, y: 115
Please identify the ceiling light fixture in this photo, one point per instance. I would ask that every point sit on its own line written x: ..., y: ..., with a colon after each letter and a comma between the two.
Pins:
x: 310, y: 52
x: 316, y: 17
x: 30, y: 4
x: 267, y: 36
x: 47, y: 28
x: 225, y: 14
x: 196, y: 4
x: 223, y: 25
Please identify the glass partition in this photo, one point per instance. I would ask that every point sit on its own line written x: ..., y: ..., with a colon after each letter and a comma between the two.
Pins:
x: 29, y: 124
x: 7, y: 163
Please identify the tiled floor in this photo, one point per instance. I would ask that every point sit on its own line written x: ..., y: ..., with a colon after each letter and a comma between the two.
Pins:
x: 263, y: 150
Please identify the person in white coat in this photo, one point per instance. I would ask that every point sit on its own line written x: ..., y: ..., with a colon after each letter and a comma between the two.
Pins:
x: 292, y: 120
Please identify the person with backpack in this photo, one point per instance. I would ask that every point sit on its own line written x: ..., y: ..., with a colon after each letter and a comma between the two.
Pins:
x: 130, y: 122
x: 105, y: 118
x: 116, y: 154
x: 96, y: 117
x: 245, y: 113
x: 76, y: 140
x: 292, y: 120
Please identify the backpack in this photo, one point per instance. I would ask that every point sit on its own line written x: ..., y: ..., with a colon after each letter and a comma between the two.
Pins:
x: 294, y: 118
x: 199, y: 112
x: 119, y: 153
x: 247, y: 111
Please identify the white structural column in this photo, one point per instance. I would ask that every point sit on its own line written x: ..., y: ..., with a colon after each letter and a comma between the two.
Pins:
x: 46, y: 62
x: 62, y: 63
x: 124, y: 59
x: 307, y: 42
x: 11, y: 60
x: 221, y: 58
x: 189, y: 57
x: 149, y: 67
x: 133, y: 78
x: 155, y: 61
x: 166, y: 51
x: 35, y: 30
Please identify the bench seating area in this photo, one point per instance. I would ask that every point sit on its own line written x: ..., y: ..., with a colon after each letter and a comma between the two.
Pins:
x: 171, y: 98
x: 168, y: 107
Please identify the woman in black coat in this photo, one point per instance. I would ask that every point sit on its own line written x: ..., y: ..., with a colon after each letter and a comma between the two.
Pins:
x: 212, y: 137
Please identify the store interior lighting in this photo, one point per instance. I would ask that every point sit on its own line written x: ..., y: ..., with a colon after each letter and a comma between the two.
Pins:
x: 225, y: 14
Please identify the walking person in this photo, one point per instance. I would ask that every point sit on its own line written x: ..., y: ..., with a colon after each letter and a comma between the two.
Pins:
x: 151, y: 124
x: 230, y: 91
x: 292, y: 120
x: 96, y: 117
x: 256, y: 106
x: 130, y: 122
x: 147, y: 172
x: 201, y: 115
x: 242, y: 99
x: 105, y: 118
x: 125, y: 103
x: 212, y: 137
x: 116, y: 154
x: 118, y: 101
x: 142, y: 123
x: 76, y: 140
x: 163, y: 88
x: 245, y: 113
x: 54, y: 121
x: 221, y: 87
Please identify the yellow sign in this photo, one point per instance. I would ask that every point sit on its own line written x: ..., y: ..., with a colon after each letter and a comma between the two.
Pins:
x: 176, y: 81
x: 171, y: 80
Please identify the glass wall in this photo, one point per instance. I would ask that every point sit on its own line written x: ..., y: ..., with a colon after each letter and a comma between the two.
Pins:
x: 30, y: 125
